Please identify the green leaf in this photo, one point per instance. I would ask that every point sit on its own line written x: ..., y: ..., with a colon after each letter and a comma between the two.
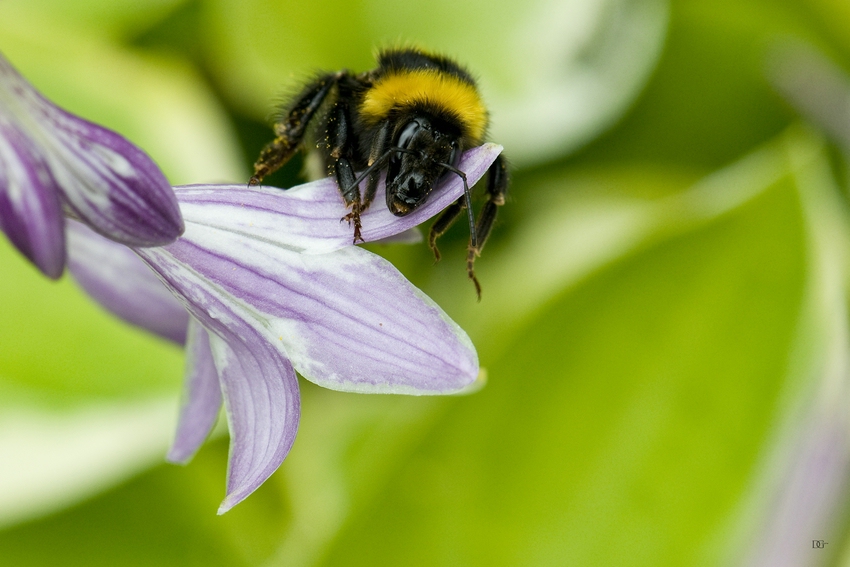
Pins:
x: 631, y: 409
x: 57, y: 340
x: 105, y: 18
x: 708, y: 101
x: 165, y: 517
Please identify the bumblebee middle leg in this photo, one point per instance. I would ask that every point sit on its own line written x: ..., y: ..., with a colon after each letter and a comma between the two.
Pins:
x: 291, y: 130
x: 497, y: 185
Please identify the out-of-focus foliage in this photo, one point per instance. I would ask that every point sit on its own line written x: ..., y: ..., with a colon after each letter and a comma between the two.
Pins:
x: 663, y: 325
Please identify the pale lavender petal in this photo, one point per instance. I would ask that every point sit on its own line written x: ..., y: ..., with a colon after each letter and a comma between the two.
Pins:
x: 348, y: 320
x: 30, y: 209
x: 120, y: 281
x: 307, y: 218
x: 807, y: 494
x: 258, y: 383
x: 104, y: 179
x: 201, y: 397
x: 263, y: 408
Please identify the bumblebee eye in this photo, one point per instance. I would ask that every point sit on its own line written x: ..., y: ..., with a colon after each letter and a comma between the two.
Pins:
x: 407, y: 134
x: 410, y: 130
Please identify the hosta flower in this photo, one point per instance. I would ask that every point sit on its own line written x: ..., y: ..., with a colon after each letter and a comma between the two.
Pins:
x: 54, y: 164
x: 274, y: 286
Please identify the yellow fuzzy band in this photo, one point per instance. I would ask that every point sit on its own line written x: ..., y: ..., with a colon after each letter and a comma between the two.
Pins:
x: 444, y: 91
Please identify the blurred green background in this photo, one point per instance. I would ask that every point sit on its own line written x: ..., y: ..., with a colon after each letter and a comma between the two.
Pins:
x: 664, y: 320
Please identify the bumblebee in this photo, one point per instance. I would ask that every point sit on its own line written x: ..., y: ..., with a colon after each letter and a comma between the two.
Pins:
x: 412, y: 116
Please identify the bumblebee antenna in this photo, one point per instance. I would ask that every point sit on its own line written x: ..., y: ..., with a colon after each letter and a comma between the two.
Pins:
x: 378, y: 163
x: 473, y: 239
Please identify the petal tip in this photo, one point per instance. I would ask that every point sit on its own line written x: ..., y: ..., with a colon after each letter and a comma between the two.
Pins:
x: 153, y: 228
x: 229, y: 502
x: 177, y: 456
x: 476, y: 385
x: 54, y: 273
x: 50, y: 259
x: 173, y: 228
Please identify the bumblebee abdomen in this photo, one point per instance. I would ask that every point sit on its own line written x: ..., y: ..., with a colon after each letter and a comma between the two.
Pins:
x: 431, y: 89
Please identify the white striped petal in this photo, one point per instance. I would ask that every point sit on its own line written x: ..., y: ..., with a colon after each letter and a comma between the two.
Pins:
x: 263, y: 406
x: 201, y: 396
x: 348, y: 320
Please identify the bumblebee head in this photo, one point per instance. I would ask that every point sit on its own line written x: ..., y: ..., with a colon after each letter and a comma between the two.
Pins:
x: 422, y: 151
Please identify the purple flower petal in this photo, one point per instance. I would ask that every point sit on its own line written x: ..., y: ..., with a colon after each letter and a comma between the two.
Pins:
x: 30, y: 209
x: 312, y: 212
x: 120, y: 281
x: 263, y: 408
x: 111, y: 184
x: 259, y: 388
x: 348, y: 320
x: 104, y: 179
x: 201, y: 397
x: 261, y: 398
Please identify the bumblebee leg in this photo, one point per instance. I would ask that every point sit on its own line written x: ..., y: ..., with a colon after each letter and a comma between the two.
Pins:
x: 340, y: 152
x: 442, y: 224
x: 290, y: 131
x: 344, y: 174
x: 497, y: 187
x: 378, y: 152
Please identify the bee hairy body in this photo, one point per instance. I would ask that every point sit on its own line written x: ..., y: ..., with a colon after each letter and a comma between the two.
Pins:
x: 411, y: 117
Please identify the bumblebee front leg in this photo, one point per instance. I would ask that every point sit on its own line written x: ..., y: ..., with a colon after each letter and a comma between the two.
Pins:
x: 350, y: 186
x: 290, y: 131
x: 340, y: 154
x: 346, y: 180
x: 497, y: 187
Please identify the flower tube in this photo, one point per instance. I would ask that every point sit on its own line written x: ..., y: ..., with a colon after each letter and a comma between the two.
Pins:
x: 54, y: 164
